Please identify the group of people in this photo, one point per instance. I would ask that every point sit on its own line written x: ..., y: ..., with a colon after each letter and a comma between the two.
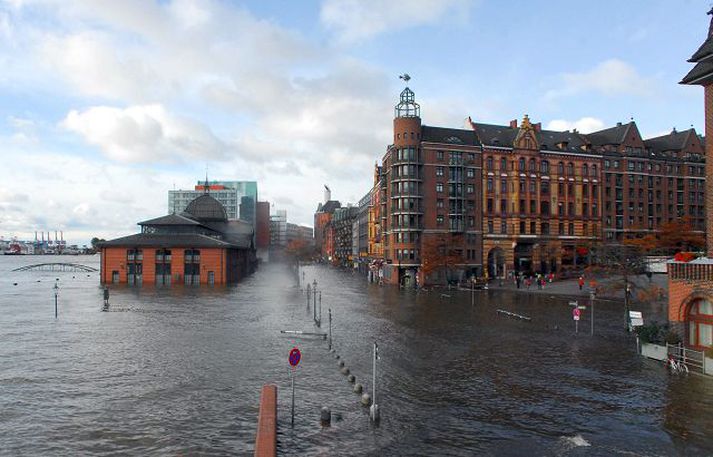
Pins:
x: 539, y: 279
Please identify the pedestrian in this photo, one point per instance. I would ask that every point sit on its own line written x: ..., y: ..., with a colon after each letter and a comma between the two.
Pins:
x: 517, y: 281
x: 581, y: 282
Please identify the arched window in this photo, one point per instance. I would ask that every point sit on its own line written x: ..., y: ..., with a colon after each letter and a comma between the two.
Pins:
x: 545, y: 167
x: 503, y: 164
x: 585, y: 170
x: 521, y: 164
x: 700, y: 323
x: 570, y: 169
x: 560, y: 168
x: 594, y: 170
x: 532, y: 166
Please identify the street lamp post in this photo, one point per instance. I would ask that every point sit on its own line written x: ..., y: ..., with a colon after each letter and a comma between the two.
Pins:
x: 627, y: 295
x: 591, y: 305
x: 314, y: 300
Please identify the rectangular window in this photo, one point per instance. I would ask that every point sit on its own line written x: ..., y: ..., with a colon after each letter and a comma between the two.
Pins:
x: 490, y: 227
x: 439, y: 171
x: 439, y: 187
x: 503, y: 227
x: 439, y: 219
x: 439, y: 203
x: 470, y: 173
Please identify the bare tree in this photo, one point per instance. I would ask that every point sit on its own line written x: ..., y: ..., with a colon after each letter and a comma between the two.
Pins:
x: 621, y: 263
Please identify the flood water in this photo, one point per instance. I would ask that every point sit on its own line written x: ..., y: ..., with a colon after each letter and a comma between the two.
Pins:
x: 177, y: 371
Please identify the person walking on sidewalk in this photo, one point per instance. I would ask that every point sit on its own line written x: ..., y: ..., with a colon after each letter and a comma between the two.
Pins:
x: 581, y: 282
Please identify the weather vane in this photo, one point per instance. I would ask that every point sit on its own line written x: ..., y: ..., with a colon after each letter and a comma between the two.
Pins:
x: 405, y: 77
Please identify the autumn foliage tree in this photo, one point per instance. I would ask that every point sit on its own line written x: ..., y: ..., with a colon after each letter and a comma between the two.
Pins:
x: 439, y: 253
x: 675, y: 236
x: 299, y: 249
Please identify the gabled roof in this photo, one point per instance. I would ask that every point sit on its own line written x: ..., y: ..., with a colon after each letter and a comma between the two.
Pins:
x: 612, y: 135
x: 447, y: 135
x: 167, y: 241
x: 171, y: 219
x: 504, y: 136
x: 674, y: 141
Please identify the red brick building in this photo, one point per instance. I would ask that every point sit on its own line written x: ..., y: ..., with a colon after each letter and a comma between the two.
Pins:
x: 691, y: 284
x: 541, y: 198
x: 198, y: 246
x: 262, y: 225
x: 431, y: 212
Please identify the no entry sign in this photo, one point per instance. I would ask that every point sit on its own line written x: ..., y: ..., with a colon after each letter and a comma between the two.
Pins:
x: 295, y: 357
x: 575, y: 314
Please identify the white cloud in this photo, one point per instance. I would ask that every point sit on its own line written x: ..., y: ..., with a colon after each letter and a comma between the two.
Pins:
x: 356, y: 20
x: 611, y: 77
x: 583, y: 125
x: 145, y: 133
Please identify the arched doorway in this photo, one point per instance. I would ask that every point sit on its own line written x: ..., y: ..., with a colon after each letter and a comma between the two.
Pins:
x: 496, y: 263
x: 699, y: 321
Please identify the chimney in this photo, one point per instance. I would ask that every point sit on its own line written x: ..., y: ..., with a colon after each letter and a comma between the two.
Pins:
x: 618, y: 124
x: 513, y: 124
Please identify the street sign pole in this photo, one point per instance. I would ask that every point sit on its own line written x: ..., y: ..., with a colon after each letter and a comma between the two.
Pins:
x: 591, y: 304
x: 293, y: 396
x: 330, y: 328
x: 294, y: 359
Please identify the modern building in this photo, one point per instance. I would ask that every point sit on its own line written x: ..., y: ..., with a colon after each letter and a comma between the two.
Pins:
x: 690, y: 303
x: 198, y: 246
x: 238, y: 197
x: 342, y: 226
x: 297, y: 232
x: 432, y: 205
x: 278, y: 229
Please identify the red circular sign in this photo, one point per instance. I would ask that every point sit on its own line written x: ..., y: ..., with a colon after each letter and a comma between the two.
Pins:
x: 295, y: 357
x: 576, y: 312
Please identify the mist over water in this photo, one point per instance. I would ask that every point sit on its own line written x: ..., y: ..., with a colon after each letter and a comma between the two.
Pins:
x: 178, y: 370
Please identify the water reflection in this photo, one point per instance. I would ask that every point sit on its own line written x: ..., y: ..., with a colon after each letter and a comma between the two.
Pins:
x: 179, y: 372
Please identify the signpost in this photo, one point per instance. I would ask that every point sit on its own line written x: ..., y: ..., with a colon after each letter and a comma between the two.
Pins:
x: 636, y: 318
x: 591, y: 304
x: 294, y: 359
x: 575, y: 315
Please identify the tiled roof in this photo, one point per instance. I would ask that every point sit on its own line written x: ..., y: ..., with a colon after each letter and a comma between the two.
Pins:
x: 674, y: 141
x: 447, y: 135
x: 167, y: 241
x: 612, y: 135
x: 702, y: 73
x: 171, y: 219
x: 705, y: 51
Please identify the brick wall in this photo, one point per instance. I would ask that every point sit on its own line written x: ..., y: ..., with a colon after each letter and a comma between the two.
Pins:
x: 708, y: 91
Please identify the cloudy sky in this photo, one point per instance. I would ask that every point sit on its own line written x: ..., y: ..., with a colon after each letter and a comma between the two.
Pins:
x: 106, y: 105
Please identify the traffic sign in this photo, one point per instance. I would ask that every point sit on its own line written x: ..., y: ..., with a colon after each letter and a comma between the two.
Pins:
x: 575, y: 313
x: 636, y: 318
x: 295, y: 357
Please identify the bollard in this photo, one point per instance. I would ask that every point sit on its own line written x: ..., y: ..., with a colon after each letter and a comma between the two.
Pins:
x: 351, y: 378
x: 365, y: 399
x: 345, y: 371
x: 358, y: 388
x: 341, y: 363
x: 336, y: 356
x: 325, y: 416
